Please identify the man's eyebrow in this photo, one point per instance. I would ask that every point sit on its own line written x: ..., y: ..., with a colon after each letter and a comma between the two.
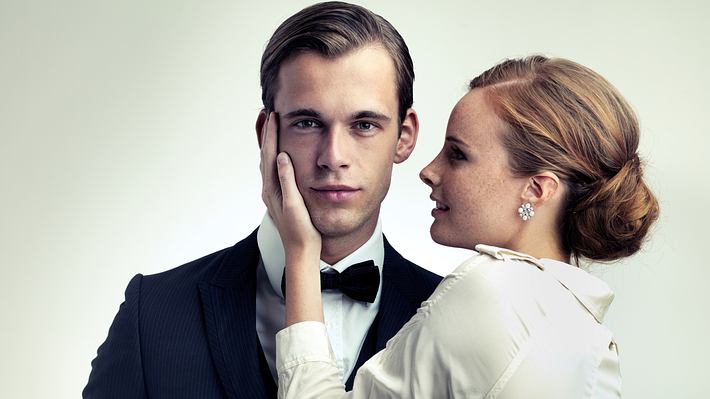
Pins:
x: 310, y: 112
x: 371, y: 115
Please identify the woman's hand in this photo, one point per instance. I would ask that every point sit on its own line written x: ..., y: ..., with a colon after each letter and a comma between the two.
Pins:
x: 301, y: 240
x: 282, y: 198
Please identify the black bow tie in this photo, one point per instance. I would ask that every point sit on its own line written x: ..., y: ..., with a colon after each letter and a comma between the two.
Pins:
x: 359, y: 281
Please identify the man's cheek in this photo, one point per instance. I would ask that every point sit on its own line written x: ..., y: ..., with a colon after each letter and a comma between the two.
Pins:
x: 303, y: 182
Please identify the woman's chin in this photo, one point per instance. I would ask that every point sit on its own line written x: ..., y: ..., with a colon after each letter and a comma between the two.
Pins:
x: 448, y: 238
x: 441, y: 236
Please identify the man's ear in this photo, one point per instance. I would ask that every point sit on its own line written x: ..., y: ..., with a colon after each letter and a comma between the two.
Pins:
x: 409, y: 130
x: 541, y: 188
x: 260, y: 122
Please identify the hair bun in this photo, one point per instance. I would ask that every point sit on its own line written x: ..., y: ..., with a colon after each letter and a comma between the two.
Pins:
x: 613, y: 218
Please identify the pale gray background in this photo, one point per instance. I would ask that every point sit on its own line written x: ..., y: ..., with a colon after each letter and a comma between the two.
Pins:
x: 128, y: 146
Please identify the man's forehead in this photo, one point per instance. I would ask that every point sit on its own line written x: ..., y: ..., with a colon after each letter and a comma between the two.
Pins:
x: 360, y: 80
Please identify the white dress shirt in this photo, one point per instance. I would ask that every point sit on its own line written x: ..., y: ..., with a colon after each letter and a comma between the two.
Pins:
x: 503, y: 325
x: 347, y: 320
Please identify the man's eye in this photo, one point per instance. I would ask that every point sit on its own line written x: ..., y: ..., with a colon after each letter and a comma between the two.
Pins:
x: 364, y: 126
x: 307, y: 124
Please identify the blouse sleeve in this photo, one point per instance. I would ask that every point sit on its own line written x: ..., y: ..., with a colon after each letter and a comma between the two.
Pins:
x: 428, y: 357
x: 306, y: 364
x: 410, y: 365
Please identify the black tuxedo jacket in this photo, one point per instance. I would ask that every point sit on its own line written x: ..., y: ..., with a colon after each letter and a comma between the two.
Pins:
x: 190, y: 332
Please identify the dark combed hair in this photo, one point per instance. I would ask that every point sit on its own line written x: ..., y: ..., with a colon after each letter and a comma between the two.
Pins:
x: 565, y: 118
x: 332, y: 29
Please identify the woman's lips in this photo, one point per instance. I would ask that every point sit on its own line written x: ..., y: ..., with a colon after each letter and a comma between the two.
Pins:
x: 439, y: 209
x: 336, y: 193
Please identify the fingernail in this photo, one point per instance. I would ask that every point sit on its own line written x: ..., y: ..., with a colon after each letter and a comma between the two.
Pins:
x: 282, y: 159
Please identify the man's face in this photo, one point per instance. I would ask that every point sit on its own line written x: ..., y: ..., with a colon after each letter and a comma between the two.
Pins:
x: 338, y: 121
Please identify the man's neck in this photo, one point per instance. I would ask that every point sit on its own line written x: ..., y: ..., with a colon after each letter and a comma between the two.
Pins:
x: 335, y: 249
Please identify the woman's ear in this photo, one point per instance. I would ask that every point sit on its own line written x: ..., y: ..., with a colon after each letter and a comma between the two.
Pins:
x: 409, y: 130
x: 541, y: 188
x: 260, y: 123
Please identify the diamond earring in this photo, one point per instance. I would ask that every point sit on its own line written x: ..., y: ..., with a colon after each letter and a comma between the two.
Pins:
x: 526, y: 211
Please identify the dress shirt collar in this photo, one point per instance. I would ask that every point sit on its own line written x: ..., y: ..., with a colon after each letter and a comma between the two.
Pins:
x: 272, y: 253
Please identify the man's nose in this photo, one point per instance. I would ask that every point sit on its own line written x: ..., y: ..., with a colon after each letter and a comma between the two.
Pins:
x: 334, y: 149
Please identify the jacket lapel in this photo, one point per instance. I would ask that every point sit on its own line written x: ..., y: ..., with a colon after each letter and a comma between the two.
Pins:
x: 229, y: 305
x: 401, y: 296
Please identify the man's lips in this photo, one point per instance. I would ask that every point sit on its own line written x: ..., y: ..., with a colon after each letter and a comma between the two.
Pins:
x: 336, y: 192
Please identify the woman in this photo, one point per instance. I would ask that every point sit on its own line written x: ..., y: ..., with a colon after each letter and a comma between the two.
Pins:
x: 539, y: 169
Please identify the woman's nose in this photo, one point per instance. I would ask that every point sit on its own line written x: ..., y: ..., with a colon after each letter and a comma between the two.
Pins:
x: 428, y: 176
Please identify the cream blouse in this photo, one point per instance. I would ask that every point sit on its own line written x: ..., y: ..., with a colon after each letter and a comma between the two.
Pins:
x: 502, y: 325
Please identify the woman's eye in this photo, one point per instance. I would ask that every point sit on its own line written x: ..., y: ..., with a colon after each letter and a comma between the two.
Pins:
x: 454, y: 154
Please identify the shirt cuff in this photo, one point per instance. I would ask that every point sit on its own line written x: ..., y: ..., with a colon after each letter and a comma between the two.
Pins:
x: 302, y: 342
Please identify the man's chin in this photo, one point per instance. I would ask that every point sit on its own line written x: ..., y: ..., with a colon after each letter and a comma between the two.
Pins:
x: 334, y: 229
x: 335, y: 224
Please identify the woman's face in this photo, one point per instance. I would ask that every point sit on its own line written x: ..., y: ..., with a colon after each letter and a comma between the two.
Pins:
x: 477, y: 197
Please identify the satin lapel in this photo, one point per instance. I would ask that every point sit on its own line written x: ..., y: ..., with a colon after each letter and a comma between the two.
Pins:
x: 399, y: 302
x: 229, y: 304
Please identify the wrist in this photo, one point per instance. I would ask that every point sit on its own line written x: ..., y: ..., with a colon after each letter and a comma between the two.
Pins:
x: 303, y: 297
x: 302, y: 256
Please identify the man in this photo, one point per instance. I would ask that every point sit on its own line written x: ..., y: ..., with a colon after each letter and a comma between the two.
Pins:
x: 340, y: 80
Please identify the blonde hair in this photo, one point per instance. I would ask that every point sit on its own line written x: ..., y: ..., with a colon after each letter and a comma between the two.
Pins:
x: 565, y: 118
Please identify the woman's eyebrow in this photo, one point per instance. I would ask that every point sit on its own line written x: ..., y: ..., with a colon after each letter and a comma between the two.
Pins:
x: 454, y: 139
